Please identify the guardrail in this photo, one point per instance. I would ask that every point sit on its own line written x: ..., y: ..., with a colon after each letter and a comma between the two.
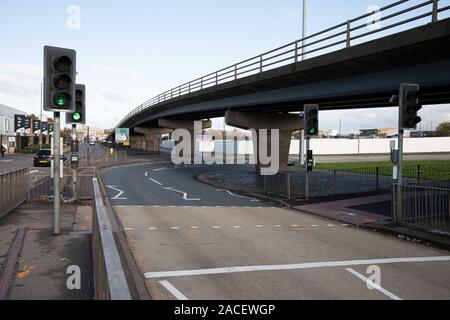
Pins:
x: 424, y: 207
x: 14, y: 190
x: 332, y: 39
x: 109, y: 278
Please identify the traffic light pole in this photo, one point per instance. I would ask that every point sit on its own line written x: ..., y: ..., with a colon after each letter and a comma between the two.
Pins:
x: 56, y: 173
x: 307, y: 170
x: 74, y: 170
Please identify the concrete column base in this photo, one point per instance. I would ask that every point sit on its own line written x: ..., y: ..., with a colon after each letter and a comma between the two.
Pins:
x: 285, y: 123
x: 150, y: 137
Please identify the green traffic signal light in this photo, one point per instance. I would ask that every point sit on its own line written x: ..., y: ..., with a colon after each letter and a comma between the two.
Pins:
x: 76, y: 116
x: 61, y: 99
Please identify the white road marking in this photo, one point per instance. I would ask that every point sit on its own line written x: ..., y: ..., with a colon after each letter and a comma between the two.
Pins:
x: 175, y: 228
x: 128, y: 229
x: 194, y: 227
x: 155, y: 181
x: 295, y: 226
x: 237, y: 227
x: 277, y: 226
x: 314, y: 225
x: 146, y: 174
x: 185, y: 196
x: 217, y: 227
x: 160, y: 169
x: 152, y: 228
x: 330, y: 225
x: 348, y: 213
x: 174, y: 291
x: 259, y: 226
x: 117, y: 197
x: 34, y: 171
x: 373, y: 284
x: 344, y: 225
x: 300, y: 266
x: 238, y: 196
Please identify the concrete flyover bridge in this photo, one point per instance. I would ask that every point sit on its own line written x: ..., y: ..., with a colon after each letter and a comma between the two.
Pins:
x: 359, y: 63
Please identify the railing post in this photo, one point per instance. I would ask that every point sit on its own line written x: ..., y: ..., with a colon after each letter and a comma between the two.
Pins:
x: 217, y: 78
x: 434, y: 16
x: 296, y: 51
x: 378, y: 180
x: 418, y: 173
x: 201, y: 83
x: 288, y: 186
x: 261, y: 63
x: 235, y: 72
x: 189, y: 87
x: 348, y: 33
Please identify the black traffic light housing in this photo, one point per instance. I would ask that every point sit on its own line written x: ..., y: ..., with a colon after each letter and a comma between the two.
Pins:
x: 311, y: 120
x: 79, y: 114
x: 409, y: 106
x: 59, y: 79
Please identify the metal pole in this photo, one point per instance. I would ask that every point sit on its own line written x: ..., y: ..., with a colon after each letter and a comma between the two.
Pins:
x: 56, y: 174
x: 301, y: 152
x: 74, y: 170
x: 306, y: 170
x: 400, y: 159
x: 304, y: 27
x: 40, y: 131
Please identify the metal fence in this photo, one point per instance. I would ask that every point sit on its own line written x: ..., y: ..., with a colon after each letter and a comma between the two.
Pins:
x: 109, y: 278
x: 354, y: 180
x: 14, y: 189
x: 422, y: 206
x: 395, y: 17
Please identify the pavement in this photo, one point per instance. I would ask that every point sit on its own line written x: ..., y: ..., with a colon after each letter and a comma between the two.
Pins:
x: 194, y: 241
x: 40, y: 270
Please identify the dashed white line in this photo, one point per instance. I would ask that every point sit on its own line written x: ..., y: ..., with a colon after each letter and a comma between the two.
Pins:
x: 295, y: 226
x: 175, y: 228
x: 277, y: 226
x: 373, y: 284
x: 259, y: 226
x: 237, y: 227
x: 194, y: 227
x: 311, y: 265
x: 128, y: 229
x: 152, y: 228
x: 217, y: 227
x: 174, y: 291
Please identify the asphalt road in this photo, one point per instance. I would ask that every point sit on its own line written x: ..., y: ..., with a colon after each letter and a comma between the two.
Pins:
x: 192, y: 241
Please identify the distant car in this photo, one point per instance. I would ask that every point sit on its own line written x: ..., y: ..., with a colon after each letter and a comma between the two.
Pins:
x: 43, y: 158
x: 92, y: 142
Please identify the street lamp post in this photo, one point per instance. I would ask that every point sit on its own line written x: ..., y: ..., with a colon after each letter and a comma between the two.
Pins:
x: 302, y: 132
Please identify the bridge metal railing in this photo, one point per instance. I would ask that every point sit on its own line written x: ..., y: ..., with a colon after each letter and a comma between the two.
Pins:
x: 398, y: 16
x: 422, y: 206
x: 14, y: 189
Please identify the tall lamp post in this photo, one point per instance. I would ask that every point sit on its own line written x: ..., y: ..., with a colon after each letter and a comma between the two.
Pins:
x: 302, y: 132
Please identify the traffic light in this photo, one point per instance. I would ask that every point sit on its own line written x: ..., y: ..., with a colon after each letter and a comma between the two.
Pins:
x: 59, y: 79
x: 409, y: 106
x: 311, y: 120
x: 79, y: 115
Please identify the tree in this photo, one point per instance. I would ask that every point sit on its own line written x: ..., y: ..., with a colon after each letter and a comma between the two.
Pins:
x: 443, y: 130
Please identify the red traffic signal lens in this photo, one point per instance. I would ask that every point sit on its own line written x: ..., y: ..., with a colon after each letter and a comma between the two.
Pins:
x: 62, y: 64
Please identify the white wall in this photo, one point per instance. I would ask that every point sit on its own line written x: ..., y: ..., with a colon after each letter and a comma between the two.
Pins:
x: 346, y: 146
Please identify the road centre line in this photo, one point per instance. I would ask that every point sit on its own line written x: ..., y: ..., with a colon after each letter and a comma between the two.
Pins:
x: 373, y: 284
x: 299, y: 266
x: 174, y: 291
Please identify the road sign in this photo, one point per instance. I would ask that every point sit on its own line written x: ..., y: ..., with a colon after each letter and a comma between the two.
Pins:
x: 122, y: 135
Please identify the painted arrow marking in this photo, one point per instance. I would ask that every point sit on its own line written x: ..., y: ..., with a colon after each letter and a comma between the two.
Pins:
x: 185, y: 196
x: 117, y: 197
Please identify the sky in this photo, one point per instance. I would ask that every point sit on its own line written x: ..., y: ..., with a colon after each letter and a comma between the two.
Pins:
x: 130, y: 51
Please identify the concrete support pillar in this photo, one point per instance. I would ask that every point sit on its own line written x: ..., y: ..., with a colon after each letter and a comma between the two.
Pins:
x: 187, y: 125
x: 285, y: 123
x: 150, y: 140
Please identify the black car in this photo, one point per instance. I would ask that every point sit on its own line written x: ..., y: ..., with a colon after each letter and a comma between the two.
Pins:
x: 42, y: 158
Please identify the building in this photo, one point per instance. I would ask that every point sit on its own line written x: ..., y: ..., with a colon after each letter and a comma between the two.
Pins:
x: 7, y: 133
